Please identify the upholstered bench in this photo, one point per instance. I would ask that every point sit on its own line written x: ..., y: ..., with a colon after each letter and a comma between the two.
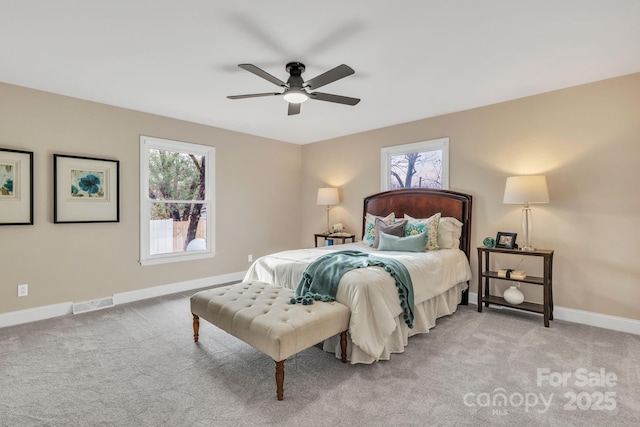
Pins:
x: 261, y: 315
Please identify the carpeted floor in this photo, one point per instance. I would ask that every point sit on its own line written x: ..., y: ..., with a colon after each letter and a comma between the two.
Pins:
x: 137, y: 365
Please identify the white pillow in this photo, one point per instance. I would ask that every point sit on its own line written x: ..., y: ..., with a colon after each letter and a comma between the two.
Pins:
x: 416, y: 225
x: 449, y: 232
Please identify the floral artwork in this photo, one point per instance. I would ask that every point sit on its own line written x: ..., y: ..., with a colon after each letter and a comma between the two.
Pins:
x: 16, y: 187
x: 85, y: 189
x: 7, y: 179
x: 87, y: 183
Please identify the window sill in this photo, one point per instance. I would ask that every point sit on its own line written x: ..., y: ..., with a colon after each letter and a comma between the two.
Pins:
x: 169, y: 258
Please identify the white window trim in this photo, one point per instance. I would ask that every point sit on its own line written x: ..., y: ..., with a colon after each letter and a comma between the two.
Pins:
x: 416, y: 147
x: 146, y: 143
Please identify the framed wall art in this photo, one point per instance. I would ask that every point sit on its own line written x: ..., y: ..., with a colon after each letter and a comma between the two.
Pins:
x: 16, y: 187
x: 85, y: 189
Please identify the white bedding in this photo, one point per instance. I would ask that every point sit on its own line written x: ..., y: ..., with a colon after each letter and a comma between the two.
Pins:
x: 376, y: 327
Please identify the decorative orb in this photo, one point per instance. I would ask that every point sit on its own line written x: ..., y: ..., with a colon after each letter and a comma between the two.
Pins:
x: 489, y: 242
x: 513, y: 295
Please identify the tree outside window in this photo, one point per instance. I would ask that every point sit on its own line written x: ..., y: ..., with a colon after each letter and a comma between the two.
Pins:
x: 417, y: 165
x: 176, y: 206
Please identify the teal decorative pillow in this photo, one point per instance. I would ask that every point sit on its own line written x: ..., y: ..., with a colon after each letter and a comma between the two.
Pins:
x: 370, y: 226
x: 415, y: 228
x: 413, y: 243
x: 427, y: 225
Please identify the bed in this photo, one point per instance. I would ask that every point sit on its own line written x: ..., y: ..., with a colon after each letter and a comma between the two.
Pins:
x: 440, y: 276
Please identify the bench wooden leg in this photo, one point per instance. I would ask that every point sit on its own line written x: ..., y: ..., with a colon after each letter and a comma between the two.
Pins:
x: 280, y: 379
x: 343, y: 346
x: 196, y: 327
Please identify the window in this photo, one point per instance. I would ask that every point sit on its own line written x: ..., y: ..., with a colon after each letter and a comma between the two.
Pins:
x: 418, y: 165
x: 176, y: 201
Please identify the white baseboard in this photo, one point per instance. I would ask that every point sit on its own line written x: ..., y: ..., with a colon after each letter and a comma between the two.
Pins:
x: 34, y: 314
x: 49, y: 311
x: 173, y: 288
x: 604, y: 321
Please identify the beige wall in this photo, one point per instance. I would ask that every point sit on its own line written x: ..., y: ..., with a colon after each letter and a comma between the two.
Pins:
x: 585, y: 139
x: 80, y: 262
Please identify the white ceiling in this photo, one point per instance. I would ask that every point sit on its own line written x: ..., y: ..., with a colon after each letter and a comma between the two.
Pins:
x: 413, y: 59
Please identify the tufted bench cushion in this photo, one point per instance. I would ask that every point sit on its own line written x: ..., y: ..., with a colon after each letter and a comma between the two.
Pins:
x: 260, y: 315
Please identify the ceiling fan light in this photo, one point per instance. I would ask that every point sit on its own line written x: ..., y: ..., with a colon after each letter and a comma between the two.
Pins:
x: 296, y: 96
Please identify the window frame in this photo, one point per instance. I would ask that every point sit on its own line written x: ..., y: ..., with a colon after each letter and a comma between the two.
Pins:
x: 146, y: 144
x: 440, y: 144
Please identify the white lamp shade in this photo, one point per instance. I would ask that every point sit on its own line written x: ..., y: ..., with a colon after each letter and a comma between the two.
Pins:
x: 526, y: 189
x: 328, y: 196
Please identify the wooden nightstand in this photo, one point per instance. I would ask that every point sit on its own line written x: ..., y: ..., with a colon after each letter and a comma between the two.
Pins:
x: 332, y: 237
x: 486, y: 275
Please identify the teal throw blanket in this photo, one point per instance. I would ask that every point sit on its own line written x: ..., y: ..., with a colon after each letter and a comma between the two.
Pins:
x: 320, y: 279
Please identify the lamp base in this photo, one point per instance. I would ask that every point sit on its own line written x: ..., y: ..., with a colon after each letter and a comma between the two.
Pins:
x: 328, y: 227
x: 526, y: 229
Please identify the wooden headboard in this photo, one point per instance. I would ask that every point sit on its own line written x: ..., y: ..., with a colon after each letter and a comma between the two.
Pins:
x: 422, y: 203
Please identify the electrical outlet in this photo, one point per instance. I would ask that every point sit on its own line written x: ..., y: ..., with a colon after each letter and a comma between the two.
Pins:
x: 23, y: 290
x: 249, y: 258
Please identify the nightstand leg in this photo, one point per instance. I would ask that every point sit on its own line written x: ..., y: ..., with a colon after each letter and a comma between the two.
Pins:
x: 546, y: 316
x: 486, y: 292
x: 548, y: 292
x: 546, y: 303
x: 550, y: 301
x: 479, y: 291
x: 551, y: 287
x: 487, y: 282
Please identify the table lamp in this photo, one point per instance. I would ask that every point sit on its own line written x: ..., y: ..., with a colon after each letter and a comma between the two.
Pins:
x: 525, y: 190
x: 328, y: 196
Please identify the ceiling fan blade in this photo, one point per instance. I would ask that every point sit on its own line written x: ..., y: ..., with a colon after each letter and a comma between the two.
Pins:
x: 253, y: 95
x: 333, y: 98
x: 330, y: 76
x: 294, y: 108
x: 261, y: 73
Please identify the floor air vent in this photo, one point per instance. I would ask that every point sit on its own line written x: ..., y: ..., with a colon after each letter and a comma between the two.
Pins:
x: 98, y: 304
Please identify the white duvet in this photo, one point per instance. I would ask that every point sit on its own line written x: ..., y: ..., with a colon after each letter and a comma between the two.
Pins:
x: 370, y: 293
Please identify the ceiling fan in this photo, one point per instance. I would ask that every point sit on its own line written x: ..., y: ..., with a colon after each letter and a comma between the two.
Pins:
x: 296, y: 90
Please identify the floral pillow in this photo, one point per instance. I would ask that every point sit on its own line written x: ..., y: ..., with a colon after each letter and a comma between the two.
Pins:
x: 370, y: 226
x: 424, y: 225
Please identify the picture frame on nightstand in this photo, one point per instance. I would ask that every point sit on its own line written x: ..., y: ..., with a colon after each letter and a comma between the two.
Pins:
x: 506, y: 240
